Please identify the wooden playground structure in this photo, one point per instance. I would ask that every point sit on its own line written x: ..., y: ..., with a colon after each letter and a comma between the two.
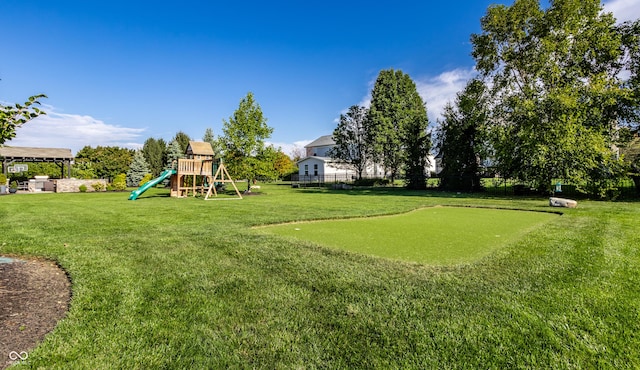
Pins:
x: 200, y: 173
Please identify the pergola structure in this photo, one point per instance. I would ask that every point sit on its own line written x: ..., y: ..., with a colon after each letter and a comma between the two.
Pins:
x: 16, y: 154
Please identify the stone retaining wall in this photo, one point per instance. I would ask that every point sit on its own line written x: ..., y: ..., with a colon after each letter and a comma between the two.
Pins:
x: 73, y: 185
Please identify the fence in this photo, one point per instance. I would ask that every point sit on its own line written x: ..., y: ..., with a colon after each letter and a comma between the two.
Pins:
x: 621, y: 189
x: 319, y: 180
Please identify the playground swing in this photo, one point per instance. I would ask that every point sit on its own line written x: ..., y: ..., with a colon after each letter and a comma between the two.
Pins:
x: 193, y: 175
x: 221, y: 177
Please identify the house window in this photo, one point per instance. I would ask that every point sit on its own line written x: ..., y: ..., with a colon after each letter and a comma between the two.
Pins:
x: 306, y: 170
x: 315, y: 170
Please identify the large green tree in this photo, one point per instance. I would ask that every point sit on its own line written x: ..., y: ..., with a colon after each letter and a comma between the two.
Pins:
x: 82, y: 170
x: 244, y: 136
x: 630, y: 32
x: 265, y: 164
x: 106, y: 161
x: 351, y: 149
x: 275, y: 164
x: 154, y: 152
x: 183, y: 139
x: 417, y: 139
x: 14, y: 116
x: 462, y: 140
x: 34, y: 169
x: 284, y: 165
x: 630, y: 149
x: 554, y: 74
x: 397, y: 134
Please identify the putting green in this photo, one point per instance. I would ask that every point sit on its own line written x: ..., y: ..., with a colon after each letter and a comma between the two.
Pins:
x: 437, y: 235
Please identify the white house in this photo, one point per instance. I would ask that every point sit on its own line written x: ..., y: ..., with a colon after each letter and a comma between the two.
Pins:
x: 319, y: 166
x: 320, y: 147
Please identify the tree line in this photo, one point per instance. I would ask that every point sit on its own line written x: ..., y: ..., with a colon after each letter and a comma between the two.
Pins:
x: 241, y: 147
x: 556, y: 96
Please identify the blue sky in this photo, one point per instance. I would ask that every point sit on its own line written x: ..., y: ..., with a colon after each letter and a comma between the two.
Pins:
x: 118, y: 72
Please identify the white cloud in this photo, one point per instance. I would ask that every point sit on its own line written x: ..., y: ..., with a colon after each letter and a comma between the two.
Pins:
x: 60, y: 130
x: 290, y: 148
x: 623, y: 10
x: 438, y: 91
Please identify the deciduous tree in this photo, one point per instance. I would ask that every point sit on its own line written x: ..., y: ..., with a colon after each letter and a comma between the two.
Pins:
x: 559, y: 98
x: 244, y: 136
x: 283, y: 164
x: 106, y: 161
x: 297, y: 153
x: 630, y: 32
x: 265, y: 163
x: 83, y: 170
x: 182, y: 139
x: 351, y: 149
x: 154, y: 151
x: 462, y: 139
x: 397, y: 133
x: 417, y: 139
x: 631, y: 154
x: 14, y: 116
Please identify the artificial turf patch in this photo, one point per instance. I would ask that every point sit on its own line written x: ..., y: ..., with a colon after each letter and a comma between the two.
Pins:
x: 435, y: 235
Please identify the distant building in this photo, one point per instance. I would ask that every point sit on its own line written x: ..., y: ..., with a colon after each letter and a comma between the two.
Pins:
x: 319, y: 166
x: 320, y: 147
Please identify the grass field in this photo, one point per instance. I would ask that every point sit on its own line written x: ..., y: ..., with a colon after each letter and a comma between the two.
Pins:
x: 184, y: 283
x: 434, y: 235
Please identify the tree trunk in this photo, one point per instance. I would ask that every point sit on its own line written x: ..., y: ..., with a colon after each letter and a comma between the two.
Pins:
x: 636, y: 182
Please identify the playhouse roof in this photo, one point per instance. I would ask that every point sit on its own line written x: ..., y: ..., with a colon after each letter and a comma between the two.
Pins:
x: 200, y: 148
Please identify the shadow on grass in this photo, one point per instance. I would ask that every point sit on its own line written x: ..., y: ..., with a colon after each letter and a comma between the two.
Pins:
x: 434, y: 193
x: 400, y: 191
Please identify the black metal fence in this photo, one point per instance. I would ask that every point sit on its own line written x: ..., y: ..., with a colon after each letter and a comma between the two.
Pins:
x: 319, y: 180
x: 618, y: 189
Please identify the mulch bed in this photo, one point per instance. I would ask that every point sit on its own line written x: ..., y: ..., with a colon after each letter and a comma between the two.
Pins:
x: 34, y: 296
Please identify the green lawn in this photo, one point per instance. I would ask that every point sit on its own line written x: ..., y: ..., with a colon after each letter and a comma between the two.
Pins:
x: 184, y: 283
x: 434, y: 235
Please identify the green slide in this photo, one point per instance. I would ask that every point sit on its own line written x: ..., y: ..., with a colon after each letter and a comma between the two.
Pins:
x: 164, y: 175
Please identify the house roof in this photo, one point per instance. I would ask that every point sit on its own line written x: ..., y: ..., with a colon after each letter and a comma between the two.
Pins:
x: 325, y: 140
x: 200, y: 148
x: 28, y: 154
x: 323, y: 159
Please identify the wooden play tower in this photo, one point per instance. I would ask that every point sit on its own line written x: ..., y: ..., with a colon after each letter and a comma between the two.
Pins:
x: 199, y: 173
